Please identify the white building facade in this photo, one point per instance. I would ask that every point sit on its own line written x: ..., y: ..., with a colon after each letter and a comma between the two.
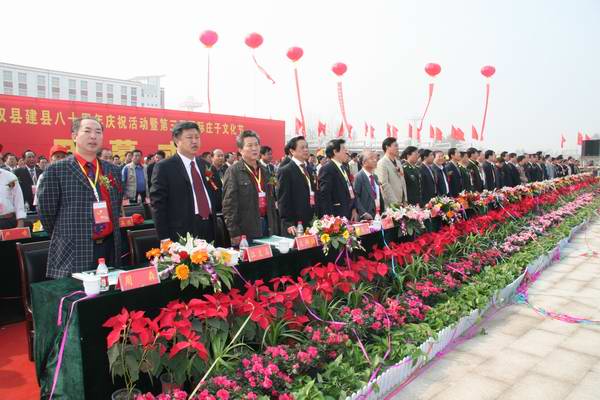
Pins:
x: 19, y: 80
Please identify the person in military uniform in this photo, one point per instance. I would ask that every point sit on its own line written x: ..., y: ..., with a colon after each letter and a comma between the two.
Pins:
x: 464, y: 172
x: 473, y: 168
x: 412, y: 174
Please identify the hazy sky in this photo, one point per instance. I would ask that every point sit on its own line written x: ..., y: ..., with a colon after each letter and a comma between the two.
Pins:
x: 546, y: 54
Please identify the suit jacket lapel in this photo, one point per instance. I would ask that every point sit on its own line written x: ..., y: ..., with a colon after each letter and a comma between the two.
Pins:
x: 183, y: 170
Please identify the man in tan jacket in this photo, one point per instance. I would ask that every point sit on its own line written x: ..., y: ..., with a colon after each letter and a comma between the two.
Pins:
x: 390, y: 174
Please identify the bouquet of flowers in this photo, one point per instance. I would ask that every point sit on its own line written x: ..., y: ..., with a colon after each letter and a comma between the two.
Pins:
x: 447, y: 208
x: 410, y: 217
x: 194, y: 262
x: 472, y: 200
x: 335, y: 232
x: 494, y: 199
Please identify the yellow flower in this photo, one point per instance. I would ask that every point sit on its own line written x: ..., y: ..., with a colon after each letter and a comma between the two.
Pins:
x: 152, y: 253
x: 164, y: 246
x: 225, y: 257
x: 182, y: 272
x: 324, y: 238
x: 199, y: 257
x: 450, y: 214
x: 346, y: 235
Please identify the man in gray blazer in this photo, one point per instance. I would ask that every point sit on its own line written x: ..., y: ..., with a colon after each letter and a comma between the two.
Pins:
x: 369, y: 201
x: 79, y: 201
x: 391, y: 175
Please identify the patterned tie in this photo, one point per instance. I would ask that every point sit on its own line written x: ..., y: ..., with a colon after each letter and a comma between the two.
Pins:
x: 373, y: 191
x: 201, y: 200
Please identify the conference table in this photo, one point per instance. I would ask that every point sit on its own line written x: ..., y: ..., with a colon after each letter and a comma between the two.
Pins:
x: 85, y: 372
x: 10, y: 284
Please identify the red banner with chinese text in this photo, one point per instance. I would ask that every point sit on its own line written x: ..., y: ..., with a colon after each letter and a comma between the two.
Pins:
x: 37, y: 124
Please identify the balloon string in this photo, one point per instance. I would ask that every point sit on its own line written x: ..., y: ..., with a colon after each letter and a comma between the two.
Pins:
x: 299, y: 100
x: 427, y: 106
x: 208, y: 82
x: 487, y: 97
x: 262, y: 69
x: 343, y: 108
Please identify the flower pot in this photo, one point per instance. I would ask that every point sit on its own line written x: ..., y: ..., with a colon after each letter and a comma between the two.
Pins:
x: 122, y: 394
x: 168, y: 385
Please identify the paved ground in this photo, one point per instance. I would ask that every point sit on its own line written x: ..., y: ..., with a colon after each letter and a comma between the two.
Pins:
x: 525, y: 356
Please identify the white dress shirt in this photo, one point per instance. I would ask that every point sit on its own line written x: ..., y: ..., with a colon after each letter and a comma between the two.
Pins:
x: 441, y: 168
x: 187, y: 163
x: 11, y: 199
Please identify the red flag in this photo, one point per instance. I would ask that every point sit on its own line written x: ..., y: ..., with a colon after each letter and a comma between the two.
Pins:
x: 298, y: 126
x: 453, y: 132
x: 321, y: 129
x: 460, y: 135
x: 431, y: 132
x: 366, y: 130
x: 439, y: 136
x: 418, y: 135
x: 562, y: 141
x: 387, y: 130
x: 587, y: 137
x: 372, y: 130
x: 410, y: 131
x: 579, y: 138
x: 341, y: 130
x: 394, y: 131
x: 474, y: 134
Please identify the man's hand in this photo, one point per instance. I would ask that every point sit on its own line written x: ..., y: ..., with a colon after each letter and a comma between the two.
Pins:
x: 354, y: 216
x: 367, y: 217
x: 235, y: 241
x: 292, y: 230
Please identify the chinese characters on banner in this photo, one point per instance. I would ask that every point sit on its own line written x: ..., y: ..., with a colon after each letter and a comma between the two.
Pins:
x: 37, y: 124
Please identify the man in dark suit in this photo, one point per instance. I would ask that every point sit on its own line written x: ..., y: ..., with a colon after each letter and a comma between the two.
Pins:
x: 158, y: 157
x: 442, y: 186
x: 428, y: 183
x: 463, y: 167
x: 296, y: 190
x: 79, y: 202
x: 369, y: 201
x: 336, y: 194
x: 513, y: 177
x: 452, y: 171
x: 249, y: 194
x: 28, y: 177
x: 184, y: 195
x: 412, y: 175
x: 489, y: 168
x: 477, y: 181
x: 266, y: 158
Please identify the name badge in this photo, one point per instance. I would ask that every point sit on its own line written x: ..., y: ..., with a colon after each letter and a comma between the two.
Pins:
x: 262, y: 201
x: 101, y: 213
x: 312, y: 198
x: 351, y: 191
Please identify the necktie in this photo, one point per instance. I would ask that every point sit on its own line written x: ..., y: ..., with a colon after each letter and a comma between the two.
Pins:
x: 32, y: 173
x: 373, y: 190
x: 91, y: 172
x: 201, y: 200
x: 305, y: 172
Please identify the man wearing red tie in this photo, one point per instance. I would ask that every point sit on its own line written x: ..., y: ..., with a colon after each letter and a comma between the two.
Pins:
x: 184, y: 196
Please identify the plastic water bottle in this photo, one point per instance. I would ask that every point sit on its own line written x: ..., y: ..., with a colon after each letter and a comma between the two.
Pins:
x: 102, y: 272
x: 139, y: 198
x: 243, y: 246
x: 299, y: 229
x: 377, y: 222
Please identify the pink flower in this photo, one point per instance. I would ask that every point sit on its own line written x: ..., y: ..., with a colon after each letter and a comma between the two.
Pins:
x: 223, y: 394
x: 267, y: 383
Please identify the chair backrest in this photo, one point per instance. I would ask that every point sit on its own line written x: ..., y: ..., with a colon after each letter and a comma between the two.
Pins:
x: 33, y: 260
x: 134, y: 209
x: 140, y: 242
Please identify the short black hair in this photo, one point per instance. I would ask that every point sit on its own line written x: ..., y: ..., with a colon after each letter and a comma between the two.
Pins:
x: 116, y: 156
x: 353, y: 155
x: 407, y: 152
x: 293, y: 143
x: 8, y: 154
x: 462, y: 154
x: 183, y: 125
x: 77, y: 123
x: 127, y: 152
x: 265, y: 149
x: 206, y: 153
x: 42, y: 158
x: 387, y: 142
x: 424, y: 153
x: 503, y: 154
x: 136, y: 151
x: 28, y: 151
x: 471, y: 151
x: 512, y: 155
x: 242, y: 136
x: 451, y: 152
x: 520, y: 158
x: 488, y: 153
x: 161, y: 153
x: 333, y: 145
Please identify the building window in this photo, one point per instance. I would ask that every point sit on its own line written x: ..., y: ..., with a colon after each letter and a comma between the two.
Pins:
x: 72, y: 89
x: 84, y: 90
x: 8, y: 82
x: 22, y: 83
x: 55, y: 87
x: 109, y: 93
x: 99, y: 92
x: 134, y: 97
x: 124, y: 95
x: 41, y: 86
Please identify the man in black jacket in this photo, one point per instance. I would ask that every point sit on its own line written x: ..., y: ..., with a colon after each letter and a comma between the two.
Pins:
x: 184, y: 195
x: 489, y: 168
x: 428, y: 181
x: 513, y: 178
x: 442, y: 187
x: 28, y: 177
x: 296, y: 190
x: 336, y: 195
x: 453, y: 174
x: 473, y: 154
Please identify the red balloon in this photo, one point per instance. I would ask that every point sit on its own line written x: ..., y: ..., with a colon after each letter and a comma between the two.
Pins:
x: 433, y: 69
x: 295, y: 53
x: 488, y: 71
x: 339, y: 69
x: 254, y: 40
x: 209, y: 38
